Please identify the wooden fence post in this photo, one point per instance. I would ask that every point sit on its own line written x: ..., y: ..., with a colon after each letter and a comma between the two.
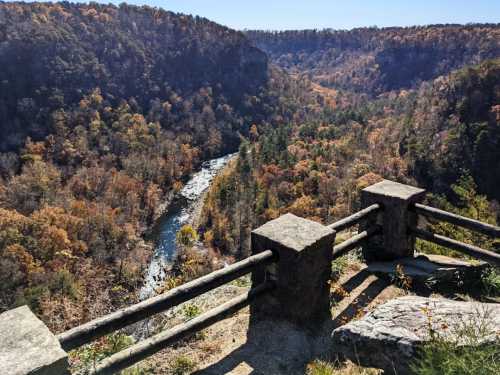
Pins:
x: 301, y: 274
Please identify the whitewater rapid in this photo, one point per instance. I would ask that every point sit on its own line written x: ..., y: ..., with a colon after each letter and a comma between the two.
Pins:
x: 178, y: 214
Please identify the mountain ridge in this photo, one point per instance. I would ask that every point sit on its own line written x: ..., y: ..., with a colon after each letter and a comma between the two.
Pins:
x: 138, y: 53
x: 376, y: 60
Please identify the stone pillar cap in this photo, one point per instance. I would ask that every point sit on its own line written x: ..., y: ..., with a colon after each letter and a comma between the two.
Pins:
x: 294, y: 232
x: 27, y: 346
x: 391, y: 189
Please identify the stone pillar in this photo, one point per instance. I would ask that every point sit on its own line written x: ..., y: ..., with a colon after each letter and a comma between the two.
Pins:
x: 302, y: 273
x: 396, y: 241
x: 28, y: 347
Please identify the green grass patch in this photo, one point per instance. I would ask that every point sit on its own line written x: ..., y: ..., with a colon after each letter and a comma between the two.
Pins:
x: 466, y: 354
x: 242, y: 282
x: 318, y: 367
x: 182, y: 366
x: 490, y: 281
x: 137, y: 371
x: 339, y: 266
x: 321, y: 367
x: 191, y: 311
x: 86, y: 357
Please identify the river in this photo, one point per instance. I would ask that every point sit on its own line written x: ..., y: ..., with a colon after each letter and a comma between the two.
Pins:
x: 179, y: 213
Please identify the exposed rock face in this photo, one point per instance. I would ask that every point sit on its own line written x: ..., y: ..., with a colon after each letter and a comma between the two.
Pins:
x: 28, y: 347
x: 389, y: 337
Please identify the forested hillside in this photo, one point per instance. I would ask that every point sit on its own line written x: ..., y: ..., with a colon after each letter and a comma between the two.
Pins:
x: 373, y: 60
x: 179, y: 70
x: 445, y: 136
x: 455, y: 128
x: 104, y: 111
x: 391, y: 105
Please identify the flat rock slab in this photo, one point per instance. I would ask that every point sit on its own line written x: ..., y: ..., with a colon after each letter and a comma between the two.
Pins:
x: 390, y: 336
x: 432, y: 271
x: 28, y: 347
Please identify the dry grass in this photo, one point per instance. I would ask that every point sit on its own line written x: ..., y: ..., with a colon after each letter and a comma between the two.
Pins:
x: 319, y: 367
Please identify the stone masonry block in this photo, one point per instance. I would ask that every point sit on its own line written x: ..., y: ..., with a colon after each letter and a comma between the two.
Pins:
x: 302, y: 272
x: 396, y: 218
x: 28, y: 347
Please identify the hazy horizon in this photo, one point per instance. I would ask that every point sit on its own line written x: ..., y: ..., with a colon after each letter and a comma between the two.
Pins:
x: 323, y: 14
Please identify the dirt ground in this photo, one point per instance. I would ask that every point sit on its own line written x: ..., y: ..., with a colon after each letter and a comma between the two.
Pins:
x: 239, y: 347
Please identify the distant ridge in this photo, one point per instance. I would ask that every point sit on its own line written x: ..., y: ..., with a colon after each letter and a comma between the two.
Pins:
x: 373, y: 60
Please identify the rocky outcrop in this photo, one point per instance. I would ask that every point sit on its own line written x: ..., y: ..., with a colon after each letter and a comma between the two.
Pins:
x: 389, y: 337
x: 436, y: 272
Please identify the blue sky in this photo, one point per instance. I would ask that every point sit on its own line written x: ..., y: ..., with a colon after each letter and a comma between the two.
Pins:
x: 337, y: 14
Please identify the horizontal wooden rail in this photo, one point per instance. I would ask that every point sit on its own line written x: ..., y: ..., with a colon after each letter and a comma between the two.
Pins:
x: 475, y: 225
x: 471, y: 250
x: 355, y: 241
x: 121, y: 318
x: 354, y: 219
x: 148, y: 347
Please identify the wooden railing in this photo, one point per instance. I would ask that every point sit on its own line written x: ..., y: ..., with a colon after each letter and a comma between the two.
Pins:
x: 356, y: 218
x: 358, y: 239
x: 152, y: 345
x: 290, y: 266
x: 96, y: 328
x: 464, y: 222
x: 355, y: 241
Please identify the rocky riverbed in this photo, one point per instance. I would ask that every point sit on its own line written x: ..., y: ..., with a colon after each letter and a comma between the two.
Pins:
x: 182, y: 210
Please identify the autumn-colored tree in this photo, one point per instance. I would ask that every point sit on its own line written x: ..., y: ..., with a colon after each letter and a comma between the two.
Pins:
x: 187, y: 236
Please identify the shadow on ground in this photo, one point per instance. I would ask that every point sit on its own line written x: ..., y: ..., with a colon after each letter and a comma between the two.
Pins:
x: 361, y: 290
x: 275, y: 348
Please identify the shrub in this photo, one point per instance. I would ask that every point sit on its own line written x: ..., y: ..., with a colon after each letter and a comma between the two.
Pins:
x: 339, y: 266
x: 191, y: 311
x: 182, y: 366
x: 467, y: 202
x: 187, y: 236
x: 85, y: 357
x: 318, y: 367
x: 400, y: 279
x: 32, y: 296
x: 64, y: 282
x: 490, y: 280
